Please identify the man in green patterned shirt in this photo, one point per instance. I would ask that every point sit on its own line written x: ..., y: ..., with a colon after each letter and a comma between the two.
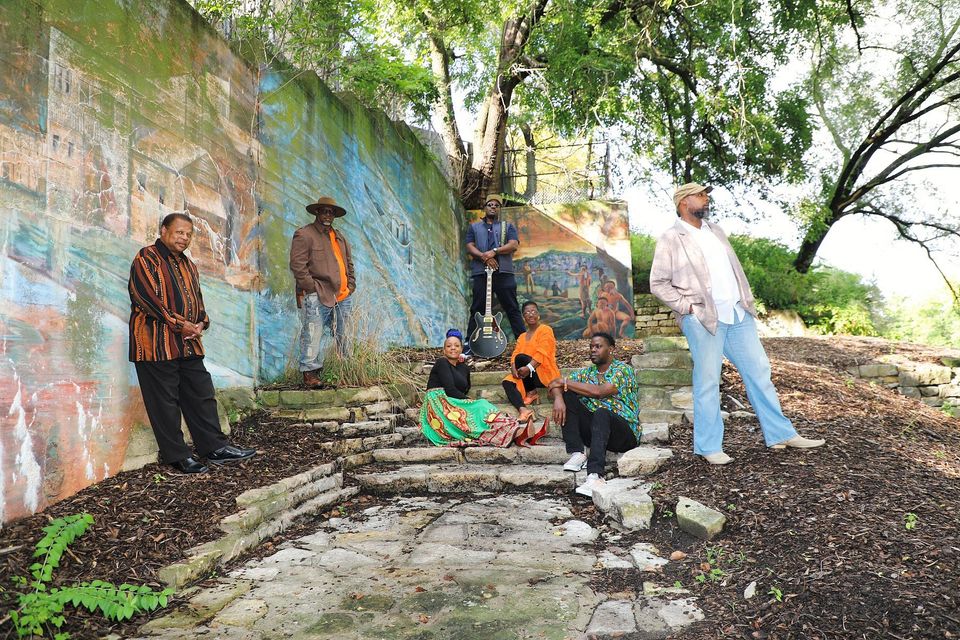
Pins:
x: 599, y: 408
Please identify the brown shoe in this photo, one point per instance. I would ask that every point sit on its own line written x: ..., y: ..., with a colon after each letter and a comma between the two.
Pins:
x: 311, y: 381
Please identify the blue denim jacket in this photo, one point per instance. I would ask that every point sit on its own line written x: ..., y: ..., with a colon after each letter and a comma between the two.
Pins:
x: 479, y: 234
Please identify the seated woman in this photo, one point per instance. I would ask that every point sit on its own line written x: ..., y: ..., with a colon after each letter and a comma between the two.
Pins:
x: 449, y: 417
x: 533, y: 363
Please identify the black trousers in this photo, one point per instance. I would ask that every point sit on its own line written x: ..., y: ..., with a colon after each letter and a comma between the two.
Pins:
x: 601, y: 430
x: 530, y: 383
x: 184, y: 386
x: 505, y: 288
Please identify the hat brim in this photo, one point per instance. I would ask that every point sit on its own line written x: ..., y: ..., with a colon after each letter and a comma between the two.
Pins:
x: 314, y: 209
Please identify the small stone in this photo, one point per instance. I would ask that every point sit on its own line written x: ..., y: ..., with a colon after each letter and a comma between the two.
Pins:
x: 633, y: 509
x: 641, y: 461
x: 612, y: 617
x: 603, y: 497
x: 647, y: 557
x: 655, y: 432
x: 699, y: 520
x: 677, y: 556
x: 750, y: 591
x: 607, y: 560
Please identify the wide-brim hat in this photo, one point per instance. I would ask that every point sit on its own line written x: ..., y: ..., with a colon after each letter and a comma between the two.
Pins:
x: 324, y: 201
x: 689, y: 189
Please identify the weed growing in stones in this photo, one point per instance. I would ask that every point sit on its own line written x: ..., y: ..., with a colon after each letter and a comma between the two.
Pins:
x: 40, y: 607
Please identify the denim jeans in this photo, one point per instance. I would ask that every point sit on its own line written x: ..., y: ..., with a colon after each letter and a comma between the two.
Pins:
x: 741, y: 345
x: 314, y: 341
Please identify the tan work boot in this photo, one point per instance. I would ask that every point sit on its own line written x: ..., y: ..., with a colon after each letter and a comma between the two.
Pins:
x: 799, y: 442
x: 311, y: 381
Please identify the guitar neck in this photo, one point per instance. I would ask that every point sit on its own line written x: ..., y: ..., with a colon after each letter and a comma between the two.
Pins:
x: 489, y: 311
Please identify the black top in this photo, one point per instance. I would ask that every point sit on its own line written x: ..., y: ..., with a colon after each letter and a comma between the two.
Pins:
x: 455, y: 381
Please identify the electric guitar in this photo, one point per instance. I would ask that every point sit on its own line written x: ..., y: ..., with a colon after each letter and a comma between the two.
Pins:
x: 488, y: 339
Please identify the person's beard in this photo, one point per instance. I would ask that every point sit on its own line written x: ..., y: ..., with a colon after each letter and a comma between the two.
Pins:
x: 702, y: 212
x: 492, y: 217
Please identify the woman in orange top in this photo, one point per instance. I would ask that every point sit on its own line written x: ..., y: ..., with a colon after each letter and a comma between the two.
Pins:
x: 533, y: 364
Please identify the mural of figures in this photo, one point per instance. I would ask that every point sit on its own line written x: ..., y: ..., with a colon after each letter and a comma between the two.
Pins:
x: 117, y: 113
x: 574, y: 262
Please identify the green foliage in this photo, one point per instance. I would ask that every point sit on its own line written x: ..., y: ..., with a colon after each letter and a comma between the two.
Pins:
x: 40, y: 609
x: 641, y: 252
x: 935, y: 321
x: 910, y: 521
x: 777, y: 593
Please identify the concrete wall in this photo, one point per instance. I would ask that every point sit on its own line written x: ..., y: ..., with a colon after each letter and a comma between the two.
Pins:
x: 114, y: 113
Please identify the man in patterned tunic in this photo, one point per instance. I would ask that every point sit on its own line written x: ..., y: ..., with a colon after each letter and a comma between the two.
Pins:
x: 599, y: 409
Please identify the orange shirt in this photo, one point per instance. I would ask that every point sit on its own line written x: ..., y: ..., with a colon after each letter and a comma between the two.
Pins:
x: 542, y: 347
x: 344, y: 288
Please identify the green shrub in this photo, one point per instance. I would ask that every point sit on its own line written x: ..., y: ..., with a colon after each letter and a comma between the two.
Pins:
x: 641, y: 252
x: 40, y: 608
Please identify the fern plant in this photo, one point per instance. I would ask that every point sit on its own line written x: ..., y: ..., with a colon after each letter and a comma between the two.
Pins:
x: 40, y: 609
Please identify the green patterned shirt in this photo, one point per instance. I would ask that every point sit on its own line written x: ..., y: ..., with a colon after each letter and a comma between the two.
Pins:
x: 625, y: 402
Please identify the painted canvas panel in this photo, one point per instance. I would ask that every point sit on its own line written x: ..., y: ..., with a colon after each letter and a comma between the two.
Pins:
x: 574, y: 262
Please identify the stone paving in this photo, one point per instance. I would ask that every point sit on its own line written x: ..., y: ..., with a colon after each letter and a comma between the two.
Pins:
x: 498, y: 567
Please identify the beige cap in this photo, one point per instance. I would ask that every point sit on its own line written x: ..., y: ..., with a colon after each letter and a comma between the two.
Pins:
x: 689, y: 189
x: 493, y: 198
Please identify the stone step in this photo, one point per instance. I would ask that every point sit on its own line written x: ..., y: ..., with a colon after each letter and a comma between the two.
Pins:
x: 547, y: 451
x: 663, y: 360
x: 491, y: 378
x: 350, y: 446
x: 669, y: 416
x: 457, y: 478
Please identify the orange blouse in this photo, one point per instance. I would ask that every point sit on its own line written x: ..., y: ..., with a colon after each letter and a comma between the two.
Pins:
x: 542, y: 347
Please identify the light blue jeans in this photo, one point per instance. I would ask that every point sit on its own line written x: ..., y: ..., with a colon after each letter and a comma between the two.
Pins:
x: 314, y: 319
x: 741, y: 345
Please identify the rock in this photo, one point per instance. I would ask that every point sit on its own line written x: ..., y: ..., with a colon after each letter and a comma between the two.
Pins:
x: 950, y: 390
x: 642, y: 460
x: 932, y: 402
x: 917, y: 374
x: 603, y: 497
x: 682, y: 399
x: 929, y: 392
x: 210, y: 601
x: 611, y: 618
x: 420, y: 454
x: 408, y: 479
x: 647, y: 557
x: 654, y: 344
x: 655, y: 432
x: 660, y: 617
x: 470, y: 479
x: 909, y: 392
x: 607, y: 560
x: 633, y: 509
x: 663, y: 360
x: 677, y: 555
x: 750, y: 591
x: 877, y: 370
x: 699, y: 520
x: 665, y: 377
x: 412, y: 412
x: 178, y: 574
x: 950, y: 362
x: 242, y: 613
x: 535, y: 476
x: 269, y: 398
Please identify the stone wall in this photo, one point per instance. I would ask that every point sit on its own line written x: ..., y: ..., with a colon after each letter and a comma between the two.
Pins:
x: 653, y: 318
x: 936, y: 385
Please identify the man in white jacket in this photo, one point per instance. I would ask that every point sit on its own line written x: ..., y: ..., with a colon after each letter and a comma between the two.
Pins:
x: 696, y: 273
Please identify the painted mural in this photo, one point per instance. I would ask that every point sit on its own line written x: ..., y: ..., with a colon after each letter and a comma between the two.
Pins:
x: 114, y: 113
x: 574, y: 262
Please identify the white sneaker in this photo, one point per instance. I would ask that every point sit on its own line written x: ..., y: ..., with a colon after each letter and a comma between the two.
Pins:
x: 576, y: 462
x: 592, y: 482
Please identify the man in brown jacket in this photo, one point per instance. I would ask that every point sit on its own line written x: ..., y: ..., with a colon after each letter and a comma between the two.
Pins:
x: 323, y: 268
x: 696, y: 273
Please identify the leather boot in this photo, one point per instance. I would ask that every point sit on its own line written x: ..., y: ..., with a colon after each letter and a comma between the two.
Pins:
x: 311, y: 381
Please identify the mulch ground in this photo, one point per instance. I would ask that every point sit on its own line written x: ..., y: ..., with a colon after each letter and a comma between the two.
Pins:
x: 860, y: 538
x: 148, y: 518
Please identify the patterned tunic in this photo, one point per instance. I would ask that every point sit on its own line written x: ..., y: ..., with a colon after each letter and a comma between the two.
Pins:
x: 164, y: 292
x: 625, y: 402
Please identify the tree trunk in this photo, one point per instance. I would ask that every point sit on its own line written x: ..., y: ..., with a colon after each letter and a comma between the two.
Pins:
x: 449, y: 131
x: 531, y: 156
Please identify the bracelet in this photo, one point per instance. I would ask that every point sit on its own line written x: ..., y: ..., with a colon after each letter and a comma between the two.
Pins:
x: 531, y: 367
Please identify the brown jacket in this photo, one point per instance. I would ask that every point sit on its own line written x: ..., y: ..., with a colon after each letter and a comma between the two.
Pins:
x: 679, y: 276
x: 314, y: 264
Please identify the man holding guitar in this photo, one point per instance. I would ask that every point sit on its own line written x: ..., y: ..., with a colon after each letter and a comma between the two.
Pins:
x: 491, y: 243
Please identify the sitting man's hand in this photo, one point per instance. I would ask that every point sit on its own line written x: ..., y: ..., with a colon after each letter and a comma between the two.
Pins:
x: 523, y: 372
x: 559, y: 411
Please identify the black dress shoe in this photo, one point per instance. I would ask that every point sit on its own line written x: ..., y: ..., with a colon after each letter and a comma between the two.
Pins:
x: 230, y: 453
x: 189, y: 465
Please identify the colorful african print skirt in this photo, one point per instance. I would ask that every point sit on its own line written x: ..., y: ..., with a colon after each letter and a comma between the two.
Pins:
x: 459, y: 423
